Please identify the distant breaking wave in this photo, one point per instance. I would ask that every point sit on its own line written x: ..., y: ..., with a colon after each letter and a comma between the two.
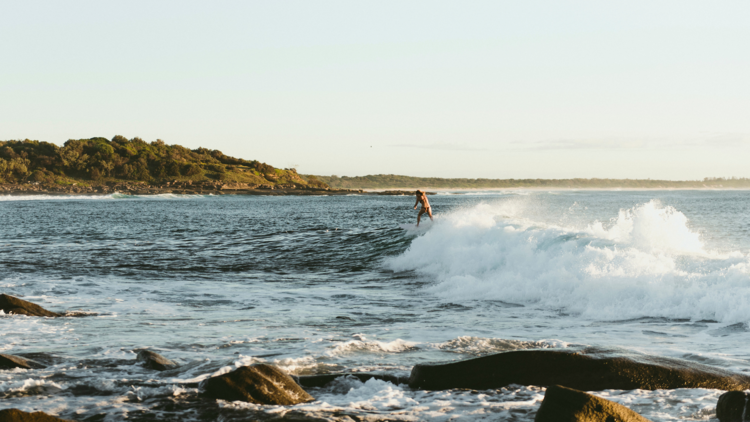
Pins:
x: 93, y: 197
x: 646, y: 262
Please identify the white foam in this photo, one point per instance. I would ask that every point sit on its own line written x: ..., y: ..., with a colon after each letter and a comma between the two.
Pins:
x: 481, y: 345
x: 111, y: 196
x: 29, y: 386
x: 378, y: 400
x: 41, y: 197
x: 645, y: 262
x: 374, y: 346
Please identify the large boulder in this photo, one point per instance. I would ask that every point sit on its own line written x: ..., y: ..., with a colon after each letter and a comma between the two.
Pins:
x: 731, y: 406
x: 15, y: 415
x: 567, y: 405
x: 10, y: 362
x: 259, y: 384
x: 155, y: 361
x: 587, y: 370
x: 11, y: 304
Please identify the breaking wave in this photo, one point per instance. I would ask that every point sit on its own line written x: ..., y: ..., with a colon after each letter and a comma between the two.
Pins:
x: 644, y: 262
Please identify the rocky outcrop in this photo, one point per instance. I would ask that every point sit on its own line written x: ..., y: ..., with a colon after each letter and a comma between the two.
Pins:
x: 10, y: 362
x: 155, y: 361
x: 731, y: 406
x: 568, y: 405
x: 15, y: 415
x: 399, y: 193
x: 13, y: 305
x: 587, y: 370
x: 322, y: 380
x: 259, y: 384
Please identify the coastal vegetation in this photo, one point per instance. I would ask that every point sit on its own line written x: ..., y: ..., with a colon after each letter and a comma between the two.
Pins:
x: 99, y: 160
x: 392, y: 181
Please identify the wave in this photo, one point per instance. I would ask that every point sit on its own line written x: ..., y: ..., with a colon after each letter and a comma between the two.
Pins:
x: 645, y: 262
x: 373, y: 346
x: 41, y: 197
x: 110, y: 196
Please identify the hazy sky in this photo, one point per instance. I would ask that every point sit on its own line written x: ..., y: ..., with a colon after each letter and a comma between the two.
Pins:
x: 500, y: 89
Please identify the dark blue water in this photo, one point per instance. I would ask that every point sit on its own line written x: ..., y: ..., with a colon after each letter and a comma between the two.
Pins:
x: 331, y: 284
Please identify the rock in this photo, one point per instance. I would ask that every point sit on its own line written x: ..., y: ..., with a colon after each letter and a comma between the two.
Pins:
x: 259, y: 384
x: 731, y: 406
x: 10, y: 362
x: 322, y: 380
x: 587, y: 370
x: 15, y: 415
x: 12, y: 304
x: 154, y: 360
x: 567, y: 405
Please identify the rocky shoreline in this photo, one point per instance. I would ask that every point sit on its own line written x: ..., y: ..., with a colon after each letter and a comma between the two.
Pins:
x: 184, y: 188
x: 566, y: 373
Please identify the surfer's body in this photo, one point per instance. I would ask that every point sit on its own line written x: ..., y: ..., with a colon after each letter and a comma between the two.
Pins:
x: 422, y: 199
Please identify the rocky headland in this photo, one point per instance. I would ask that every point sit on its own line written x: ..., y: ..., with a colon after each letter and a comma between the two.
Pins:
x: 177, y: 187
x: 170, y: 187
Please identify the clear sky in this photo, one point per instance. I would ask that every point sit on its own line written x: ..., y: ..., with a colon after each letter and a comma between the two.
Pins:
x: 498, y: 89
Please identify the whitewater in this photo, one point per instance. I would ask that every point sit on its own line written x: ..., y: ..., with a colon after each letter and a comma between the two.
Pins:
x: 321, y: 285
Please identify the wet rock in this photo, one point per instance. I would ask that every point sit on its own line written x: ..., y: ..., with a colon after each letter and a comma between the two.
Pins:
x: 731, y: 406
x: 15, y: 415
x: 563, y: 404
x: 154, y: 360
x: 587, y: 370
x: 322, y: 380
x: 11, y: 304
x: 10, y: 362
x: 259, y: 384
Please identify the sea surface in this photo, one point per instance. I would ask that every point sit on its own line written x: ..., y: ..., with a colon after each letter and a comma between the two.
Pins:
x: 325, y: 284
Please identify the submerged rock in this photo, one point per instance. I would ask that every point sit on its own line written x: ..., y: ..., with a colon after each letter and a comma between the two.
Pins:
x: 259, y: 384
x: 587, y: 370
x: 154, y: 360
x: 731, y: 406
x: 10, y: 362
x: 13, y: 305
x: 15, y: 415
x: 563, y: 404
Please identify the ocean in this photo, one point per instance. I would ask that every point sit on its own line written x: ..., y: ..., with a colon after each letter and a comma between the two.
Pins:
x: 328, y: 284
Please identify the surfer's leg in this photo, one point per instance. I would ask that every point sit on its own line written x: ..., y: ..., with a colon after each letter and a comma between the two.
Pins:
x: 429, y: 212
x: 419, y: 216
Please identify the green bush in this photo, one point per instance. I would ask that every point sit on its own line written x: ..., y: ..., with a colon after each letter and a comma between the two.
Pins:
x: 191, y: 169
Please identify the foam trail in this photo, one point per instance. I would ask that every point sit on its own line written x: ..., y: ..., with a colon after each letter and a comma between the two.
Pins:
x: 39, y: 197
x: 647, y: 262
x: 111, y: 196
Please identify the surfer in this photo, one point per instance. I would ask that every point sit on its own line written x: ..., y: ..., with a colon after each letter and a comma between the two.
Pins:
x: 422, y: 199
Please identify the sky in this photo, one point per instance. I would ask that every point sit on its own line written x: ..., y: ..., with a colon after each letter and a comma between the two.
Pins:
x: 490, y: 89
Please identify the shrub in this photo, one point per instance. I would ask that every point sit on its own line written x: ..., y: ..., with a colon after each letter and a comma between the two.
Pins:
x: 217, y: 168
x: 191, y: 169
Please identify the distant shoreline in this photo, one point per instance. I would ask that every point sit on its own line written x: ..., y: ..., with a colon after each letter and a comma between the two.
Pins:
x: 217, y: 188
x: 556, y: 189
x: 200, y: 188
x: 392, y: 181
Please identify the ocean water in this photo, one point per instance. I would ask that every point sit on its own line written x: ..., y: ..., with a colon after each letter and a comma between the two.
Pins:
x: 331, y: 284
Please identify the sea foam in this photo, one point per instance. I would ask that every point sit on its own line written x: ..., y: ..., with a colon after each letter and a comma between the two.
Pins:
x: 646, y: 261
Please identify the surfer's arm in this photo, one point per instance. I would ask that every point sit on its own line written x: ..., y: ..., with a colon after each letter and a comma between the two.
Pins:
x: 415, y: 204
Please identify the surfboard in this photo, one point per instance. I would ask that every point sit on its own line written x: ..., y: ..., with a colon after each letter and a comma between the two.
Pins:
x: 423, y: 226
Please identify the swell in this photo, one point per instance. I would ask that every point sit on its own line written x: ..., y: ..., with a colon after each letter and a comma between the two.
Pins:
x: 646, y: 261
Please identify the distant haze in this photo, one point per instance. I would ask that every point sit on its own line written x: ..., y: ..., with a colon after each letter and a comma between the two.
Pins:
x: 490, y: 89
